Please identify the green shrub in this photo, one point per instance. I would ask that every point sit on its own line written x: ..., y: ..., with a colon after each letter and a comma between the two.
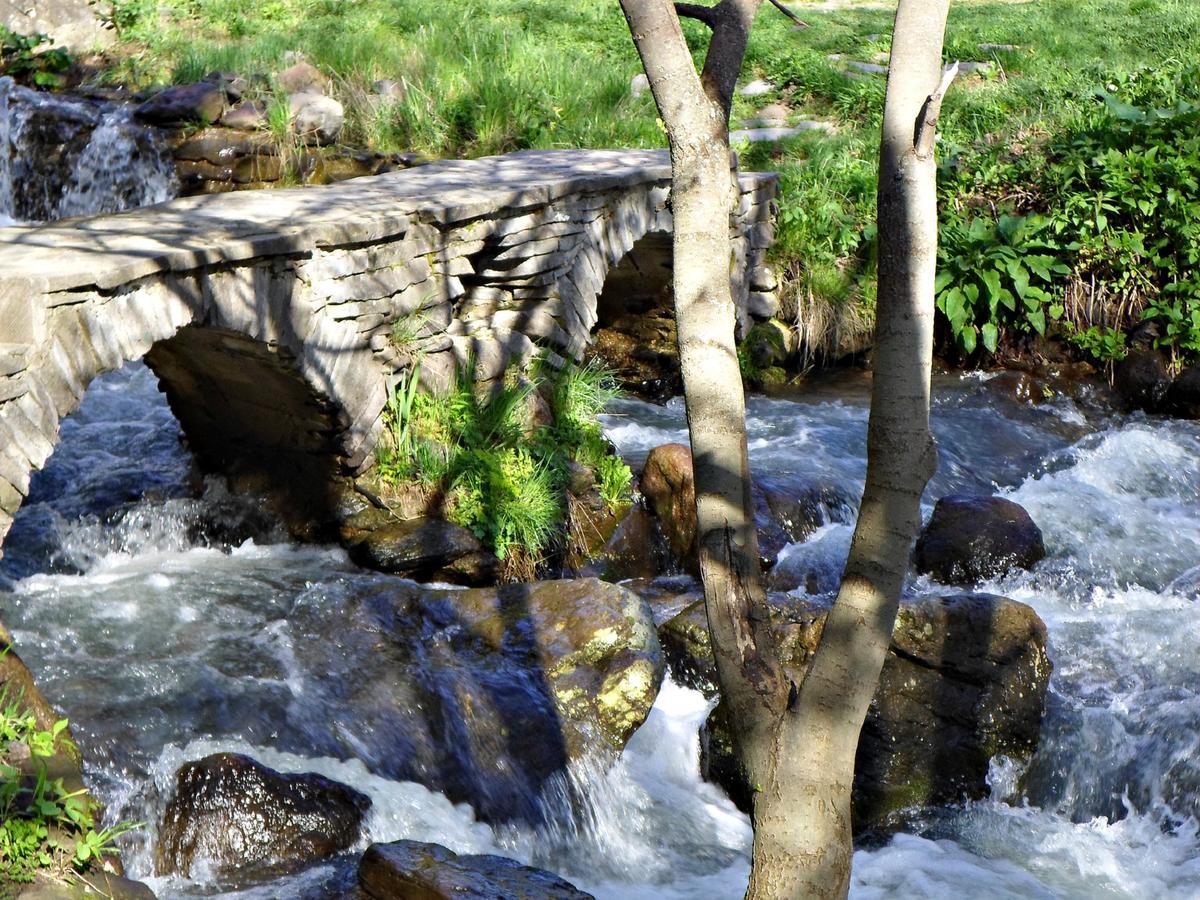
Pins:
x: 503, y: 479
x: 44, y: 828
x: 22, y: 58
x: 997, y: 275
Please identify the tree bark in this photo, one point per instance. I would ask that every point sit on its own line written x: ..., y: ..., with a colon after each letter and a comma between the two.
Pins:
x: 798, y: 743
x: 694, y: 109
x: 802, y: 818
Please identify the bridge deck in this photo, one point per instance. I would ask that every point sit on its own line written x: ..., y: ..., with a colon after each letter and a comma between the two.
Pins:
x: 106, y: 251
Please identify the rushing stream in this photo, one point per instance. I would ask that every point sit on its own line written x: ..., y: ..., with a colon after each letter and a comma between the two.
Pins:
x: 169, y: 627
x: 166, y: 635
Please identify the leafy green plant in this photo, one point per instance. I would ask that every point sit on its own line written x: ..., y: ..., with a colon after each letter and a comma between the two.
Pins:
x: 500, y: 475
x: 997, y: 275
x: 21, y: 58
x: 44, y: 827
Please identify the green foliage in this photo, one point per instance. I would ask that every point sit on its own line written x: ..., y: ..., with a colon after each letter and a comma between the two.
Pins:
x: 44, y: 828
x: 501, y: 476
x: 126, y: 16
x: 21, y: 58
x: 997, y: 275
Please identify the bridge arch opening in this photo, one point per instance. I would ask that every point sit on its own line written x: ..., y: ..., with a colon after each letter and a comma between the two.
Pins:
x: 249, y: 415
x: 635, y: 335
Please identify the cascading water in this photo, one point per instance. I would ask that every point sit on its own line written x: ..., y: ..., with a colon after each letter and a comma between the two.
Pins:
x: 66, y: 156
x: 165, y: 643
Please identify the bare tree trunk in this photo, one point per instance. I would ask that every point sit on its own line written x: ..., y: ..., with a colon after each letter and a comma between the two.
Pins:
x: 802, y: 818
x: 695, y: 110
x: 797, y: 744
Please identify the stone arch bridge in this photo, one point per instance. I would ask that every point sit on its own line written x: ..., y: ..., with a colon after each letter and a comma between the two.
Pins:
x: 276, y: 321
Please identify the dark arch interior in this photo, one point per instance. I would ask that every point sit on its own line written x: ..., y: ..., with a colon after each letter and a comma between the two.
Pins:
x: 248, y: 414
x: 635, y: 321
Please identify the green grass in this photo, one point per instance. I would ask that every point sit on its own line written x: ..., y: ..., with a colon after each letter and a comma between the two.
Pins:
x: 490, y: 76
x: 496, y: 471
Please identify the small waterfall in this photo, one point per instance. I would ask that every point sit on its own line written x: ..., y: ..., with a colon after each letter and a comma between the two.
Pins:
x: 64, y: 156
x: 6, y: 185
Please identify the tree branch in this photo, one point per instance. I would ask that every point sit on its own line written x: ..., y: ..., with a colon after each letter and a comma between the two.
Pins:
x: 926, y: 126
x: 706, y: 14
x: 800, y: 23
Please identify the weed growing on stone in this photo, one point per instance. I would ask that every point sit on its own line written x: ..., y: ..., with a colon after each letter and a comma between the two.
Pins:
x: 45, y: 829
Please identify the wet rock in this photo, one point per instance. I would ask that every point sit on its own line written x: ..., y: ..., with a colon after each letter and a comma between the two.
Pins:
x: 1183, y: 397
x: 969, y: 539
x: 184, y: 104
x: 670, y: 491
x: 484, y: 695
x: 414, y: 547
x: 246, y: 117
x: 17, y: 686
x: 102, y: 884
x: 233, y: 84
x: 784, y: 512
x: 769, y: 344
x: 1142, y: 380
x: 636, y: 549
x: 240, y: 817
x: 431, y: 872
x: 964, y: 681
x: 301, y: 77
x: 317, y: 119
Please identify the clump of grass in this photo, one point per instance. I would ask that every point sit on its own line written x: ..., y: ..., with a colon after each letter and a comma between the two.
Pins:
x: 46, y: 830
x: 497, y: 474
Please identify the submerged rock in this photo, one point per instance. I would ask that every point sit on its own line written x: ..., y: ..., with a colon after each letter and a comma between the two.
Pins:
x: 969, y: 539
x: 964, y: 681
x: 431, y: 872
x: 241, y: 818
x: 484, y: 695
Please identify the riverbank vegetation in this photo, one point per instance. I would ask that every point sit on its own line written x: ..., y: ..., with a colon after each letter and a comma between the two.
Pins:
x: 513, y: 463
x: 46, y: 828
x: 1072, y: 136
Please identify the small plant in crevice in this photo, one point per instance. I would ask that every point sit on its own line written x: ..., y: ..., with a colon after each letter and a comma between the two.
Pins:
x: 499, y: 469
x: 46, y: 830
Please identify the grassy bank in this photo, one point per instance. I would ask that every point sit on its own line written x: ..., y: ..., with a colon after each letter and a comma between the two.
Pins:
x: 1043, y: 237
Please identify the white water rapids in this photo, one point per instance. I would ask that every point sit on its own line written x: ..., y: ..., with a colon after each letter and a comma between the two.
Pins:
x: 164, y: 644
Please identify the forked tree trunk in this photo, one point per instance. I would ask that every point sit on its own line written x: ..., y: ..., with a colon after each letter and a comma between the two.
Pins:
x: 798, y: 743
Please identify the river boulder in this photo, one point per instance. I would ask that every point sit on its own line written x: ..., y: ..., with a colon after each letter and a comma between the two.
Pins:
x: 1183, y: 397
x: 784, y: 511
x: 1142, y: 380
x: 964, y: 680
x: 971, y: 538
x: 485, y: 695
x: 239, y: 817
x: 432, y: 872
x: 670, y: 492
x: 184, y: 104
x: 425, y: 547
